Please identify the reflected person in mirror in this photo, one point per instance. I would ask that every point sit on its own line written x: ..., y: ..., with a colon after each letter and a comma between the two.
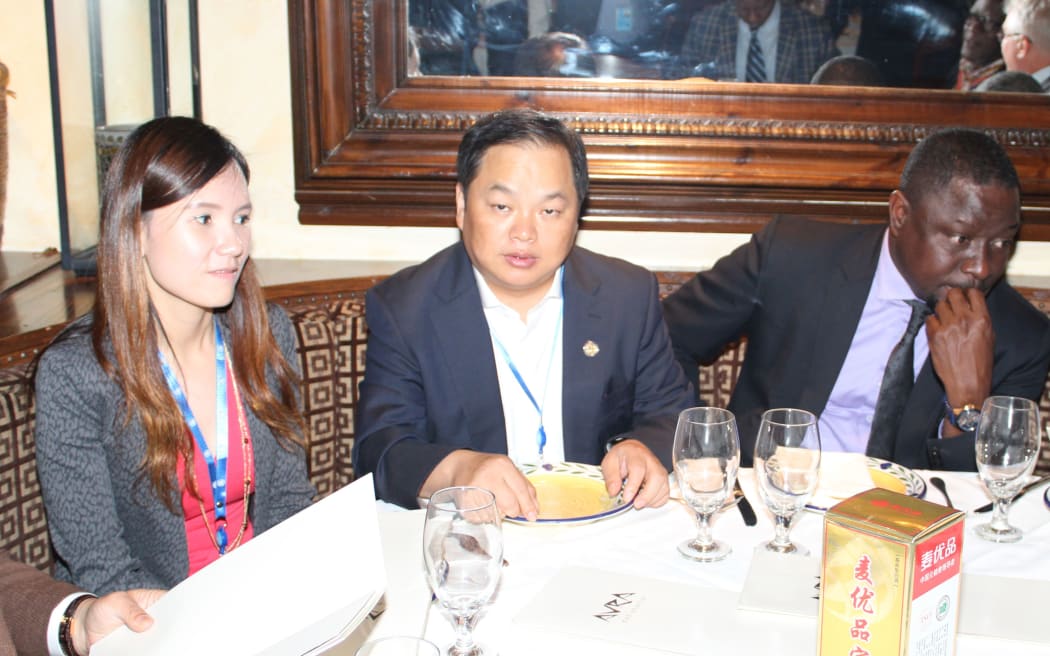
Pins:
x: 980, y: 57
x: 835, y: 314
x: 1025, y: 39
x: 755, y: 41
x: 515, y: 345
x: 168, y: 426
x: 39, y: 615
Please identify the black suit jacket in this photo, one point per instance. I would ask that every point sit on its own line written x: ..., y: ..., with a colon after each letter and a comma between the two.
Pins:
x: 797, y: 291
x: 430, y: 384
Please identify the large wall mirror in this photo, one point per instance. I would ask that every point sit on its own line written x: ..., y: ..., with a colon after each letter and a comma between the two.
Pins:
x: 376, y: 132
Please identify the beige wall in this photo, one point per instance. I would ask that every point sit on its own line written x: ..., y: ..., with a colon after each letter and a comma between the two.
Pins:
x: 246, y: 93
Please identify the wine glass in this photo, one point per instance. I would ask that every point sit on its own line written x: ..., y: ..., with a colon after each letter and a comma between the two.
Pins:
x: 787, y: 469
x: 706, y: 458
x: 463, y: 554
x: 1007, y: 446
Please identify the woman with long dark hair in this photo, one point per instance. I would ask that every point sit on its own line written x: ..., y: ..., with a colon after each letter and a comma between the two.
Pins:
x: 168, y: 428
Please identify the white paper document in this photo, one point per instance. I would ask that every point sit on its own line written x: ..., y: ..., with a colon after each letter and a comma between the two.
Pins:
x: 298, y: 588
x: 782, y: 583
x: 615, y: 607
x: 1009, y: 608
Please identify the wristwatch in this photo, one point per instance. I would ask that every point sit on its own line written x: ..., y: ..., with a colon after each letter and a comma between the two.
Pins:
x: 965, y: 418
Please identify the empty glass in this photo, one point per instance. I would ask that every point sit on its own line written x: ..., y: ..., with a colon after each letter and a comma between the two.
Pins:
x: 1007, y: 446
x: 706, y: 459
x: 463, y: 555
x: 787, y: 469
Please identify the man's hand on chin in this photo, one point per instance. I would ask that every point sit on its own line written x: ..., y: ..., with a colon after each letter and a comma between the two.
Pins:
x: 962, y: 345
x: 631, y: 465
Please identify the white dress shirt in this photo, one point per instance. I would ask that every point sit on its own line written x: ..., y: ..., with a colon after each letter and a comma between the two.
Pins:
x: 535, y: 347
x: 845, y: 423
x: 767, y: 38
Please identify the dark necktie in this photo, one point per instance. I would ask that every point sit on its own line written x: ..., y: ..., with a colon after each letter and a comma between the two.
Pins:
x: 756, y: 63
x: 897, y: 382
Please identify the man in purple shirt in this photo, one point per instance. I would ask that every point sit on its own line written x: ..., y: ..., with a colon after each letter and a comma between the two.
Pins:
x: 822, y: 306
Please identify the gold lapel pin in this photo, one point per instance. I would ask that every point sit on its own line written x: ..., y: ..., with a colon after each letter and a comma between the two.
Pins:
x: 590, y: 349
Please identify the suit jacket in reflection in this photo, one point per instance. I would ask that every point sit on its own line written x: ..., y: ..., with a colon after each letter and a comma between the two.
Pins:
x: 27, y: 597
x: 803, y: 44
x: 430, y: 384
x: 797, y: 291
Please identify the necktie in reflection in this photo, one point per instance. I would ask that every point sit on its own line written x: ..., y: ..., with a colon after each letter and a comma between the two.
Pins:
x: 897, y: 382
x: 756, y: 63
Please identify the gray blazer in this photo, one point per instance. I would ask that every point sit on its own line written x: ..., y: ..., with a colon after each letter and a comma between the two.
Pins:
x: 109, y: 530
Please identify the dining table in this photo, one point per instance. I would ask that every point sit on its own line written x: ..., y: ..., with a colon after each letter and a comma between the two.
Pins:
x: 643, y: 544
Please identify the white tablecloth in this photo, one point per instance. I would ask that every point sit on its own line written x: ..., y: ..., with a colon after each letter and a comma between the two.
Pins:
x: 643, y: 543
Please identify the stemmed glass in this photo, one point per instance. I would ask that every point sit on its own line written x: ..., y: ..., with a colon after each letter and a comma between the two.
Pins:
x: 706, y: 458
x: 787, y: 469
x: 1007, y: 446
x: 463, y: 555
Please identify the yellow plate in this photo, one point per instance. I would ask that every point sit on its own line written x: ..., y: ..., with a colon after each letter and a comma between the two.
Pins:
x: 570, y: 492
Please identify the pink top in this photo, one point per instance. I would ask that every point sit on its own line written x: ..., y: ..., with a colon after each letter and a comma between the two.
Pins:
x: 202, y: 550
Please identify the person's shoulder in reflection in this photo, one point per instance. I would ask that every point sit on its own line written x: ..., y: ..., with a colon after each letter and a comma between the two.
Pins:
x: 823, y: 305
x: 1026, y: 39
x: 515, y: 345
x: 849, y: 70
x: 916, y: 43
x: 980, y: 58
x: 39, y: 615
x: 1011, y: 81
x: 554, y: 54
x: 790, y: 43
x: 168, y: 424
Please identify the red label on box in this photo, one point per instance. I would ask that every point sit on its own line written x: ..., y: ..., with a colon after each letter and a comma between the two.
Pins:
x: 937, y: 559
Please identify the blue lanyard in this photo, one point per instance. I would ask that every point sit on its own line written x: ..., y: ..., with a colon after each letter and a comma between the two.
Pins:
x: 541, y: 435
x: 216, y: 462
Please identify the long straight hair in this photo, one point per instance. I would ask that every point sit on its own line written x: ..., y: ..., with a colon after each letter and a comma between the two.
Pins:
x: 160, y: 163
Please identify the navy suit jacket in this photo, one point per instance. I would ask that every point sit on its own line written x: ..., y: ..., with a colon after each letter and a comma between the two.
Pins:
x: 797, y: 291
x: 803, y: 44
x: 430, y: 384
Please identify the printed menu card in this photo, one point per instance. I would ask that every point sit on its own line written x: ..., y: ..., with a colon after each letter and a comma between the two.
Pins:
x: 615, y: 607
x: 298, y: 588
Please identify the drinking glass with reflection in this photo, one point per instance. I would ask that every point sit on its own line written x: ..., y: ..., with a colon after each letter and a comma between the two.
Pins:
x: 706, y: 458
x: 1007, y: 446
x: 463, y: 555
x: 787, y: 469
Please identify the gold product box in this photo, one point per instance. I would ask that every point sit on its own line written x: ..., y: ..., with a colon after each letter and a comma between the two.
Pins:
x: 890, y: 579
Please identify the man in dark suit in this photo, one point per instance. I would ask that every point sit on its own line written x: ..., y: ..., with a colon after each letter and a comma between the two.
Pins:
x: 33, y: 608
x: 824, y: 305
x: 791, y: 43
x: 515, y: 345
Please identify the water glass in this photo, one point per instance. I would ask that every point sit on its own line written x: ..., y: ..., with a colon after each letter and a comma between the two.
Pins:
x: 787, y: 469
x: 1007, y: 446
x: 463, y: 556
x: 706, y: 458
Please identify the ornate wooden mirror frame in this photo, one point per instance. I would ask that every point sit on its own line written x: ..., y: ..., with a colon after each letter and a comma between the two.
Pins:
x: 374, y: 146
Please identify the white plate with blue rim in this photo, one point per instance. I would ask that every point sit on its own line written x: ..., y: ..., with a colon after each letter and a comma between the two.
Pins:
x: 1046, y: 497
x: 886, y: 475
x: 570, y: 493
